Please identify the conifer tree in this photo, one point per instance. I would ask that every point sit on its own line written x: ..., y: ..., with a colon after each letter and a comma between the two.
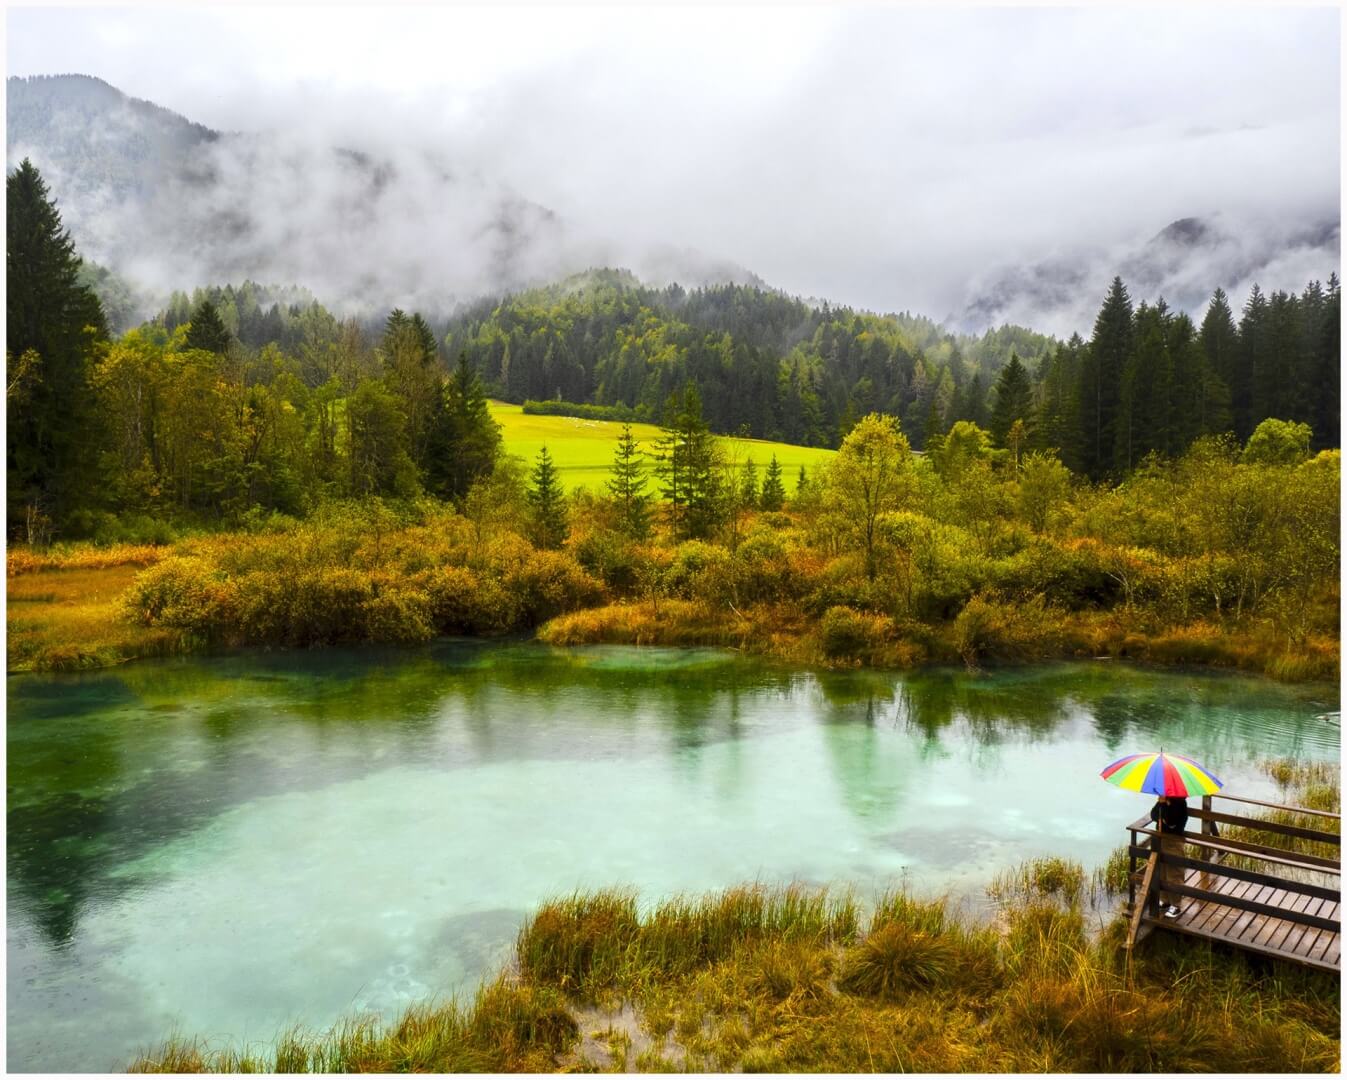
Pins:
x: 685, y: 462
x: 466, y: 440
x: 1057, y: 421
x: 207, y: 330
x: 1146, y: 395
x: 1101, y: 373
x: 748, y: 484
x: 53, y: 331
x: 547, y: 503
x: 1014, y: 400
x: 1253, y: 361
x: 773, y: 495
x: 1220, y: 341
x: 801, y: 482
x: 627, y: 485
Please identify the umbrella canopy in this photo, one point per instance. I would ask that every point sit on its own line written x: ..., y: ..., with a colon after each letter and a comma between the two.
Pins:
x: 1161, y: 774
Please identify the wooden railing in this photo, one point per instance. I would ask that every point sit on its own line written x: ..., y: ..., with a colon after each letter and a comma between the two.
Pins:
x: 1277, y: 865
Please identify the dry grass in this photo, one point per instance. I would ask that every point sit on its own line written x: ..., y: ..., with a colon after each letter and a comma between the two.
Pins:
x: 757, y: 979
x: 24, y: 560
x: 72, y: 619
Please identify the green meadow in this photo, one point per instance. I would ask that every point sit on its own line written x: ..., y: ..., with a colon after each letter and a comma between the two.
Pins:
x: 583, y: 449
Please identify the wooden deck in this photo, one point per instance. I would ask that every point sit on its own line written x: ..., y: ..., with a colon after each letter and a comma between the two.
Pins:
x: 1279, y: 901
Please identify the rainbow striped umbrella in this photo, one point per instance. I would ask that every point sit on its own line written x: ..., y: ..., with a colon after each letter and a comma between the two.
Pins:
x: 1161, y: 774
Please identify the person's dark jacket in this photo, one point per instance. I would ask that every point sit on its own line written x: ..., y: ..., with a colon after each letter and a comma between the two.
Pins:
x: 1172, y: 815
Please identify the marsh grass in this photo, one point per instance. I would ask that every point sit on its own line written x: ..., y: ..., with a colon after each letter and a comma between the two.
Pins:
x: 71, y: 619
x: 765, y: 979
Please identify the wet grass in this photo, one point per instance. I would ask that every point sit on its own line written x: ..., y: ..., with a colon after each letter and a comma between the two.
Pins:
x: 786, y: 980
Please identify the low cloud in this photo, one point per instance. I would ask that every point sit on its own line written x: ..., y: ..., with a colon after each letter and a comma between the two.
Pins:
x: 923, y: 159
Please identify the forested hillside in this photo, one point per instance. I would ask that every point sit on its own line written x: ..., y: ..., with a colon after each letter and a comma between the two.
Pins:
x: 243, y: 400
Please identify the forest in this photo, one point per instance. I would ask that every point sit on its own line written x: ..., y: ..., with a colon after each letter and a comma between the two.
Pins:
x: 1165, y: 488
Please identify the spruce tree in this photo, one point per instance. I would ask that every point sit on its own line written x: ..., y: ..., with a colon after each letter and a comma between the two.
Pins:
x: 207, y: 330
x: 1014, y: 400
x: 748, y: 484
x: 1146, y: 396
x: 773, y: 495
x: 54, y: 329
x: 801, y: 482
x: 685, y: 462
x: 1220, y: 342
x: 465, y: 441
x: 1101, y: 372
x: 627, y: 485
x: 547, y: 502
x: 1254, y: 361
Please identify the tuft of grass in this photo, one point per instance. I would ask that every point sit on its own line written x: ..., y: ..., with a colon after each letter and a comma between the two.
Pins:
x: 1049, y: 876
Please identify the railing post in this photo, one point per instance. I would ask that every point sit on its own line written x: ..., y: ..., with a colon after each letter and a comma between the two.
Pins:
x: 1132, y: 873
x: 1208, y: 829
x: 1153, y: 897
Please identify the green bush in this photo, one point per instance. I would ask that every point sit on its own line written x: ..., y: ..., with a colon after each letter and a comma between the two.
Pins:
x: 845, y: 633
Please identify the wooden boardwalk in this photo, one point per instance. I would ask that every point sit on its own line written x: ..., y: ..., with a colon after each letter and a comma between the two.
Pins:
x: 1280, y: 901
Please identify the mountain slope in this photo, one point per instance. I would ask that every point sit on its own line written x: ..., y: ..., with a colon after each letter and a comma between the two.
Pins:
x: 171, y: 204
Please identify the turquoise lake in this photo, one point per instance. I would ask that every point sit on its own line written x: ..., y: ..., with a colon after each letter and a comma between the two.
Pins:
x: 228, y: 846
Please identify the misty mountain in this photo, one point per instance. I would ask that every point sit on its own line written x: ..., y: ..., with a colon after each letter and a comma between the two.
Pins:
x: 167, y: 203
x: 1183, y: 262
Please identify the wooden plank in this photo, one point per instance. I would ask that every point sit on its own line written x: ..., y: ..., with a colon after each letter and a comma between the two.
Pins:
x: 1297, y: 934
x: 1314, y: 946
x: 1258, y: 895
x: 1281, y: 926
x: 1275, y: 899
x: 1139, y: 908
x: 1297, y: 831
x: 1277, y: 939
x: 1279, y: 806
x: 1293, y: 959
x: 1324, y: 942
x: 1222, y: 915
x: 1254, y: 906
x: 1249, y: 875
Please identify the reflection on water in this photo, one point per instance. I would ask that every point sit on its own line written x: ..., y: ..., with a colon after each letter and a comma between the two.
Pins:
x: 236, y: 844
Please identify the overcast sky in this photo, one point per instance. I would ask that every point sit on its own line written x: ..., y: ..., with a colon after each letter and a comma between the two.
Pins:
x: 881, y: 157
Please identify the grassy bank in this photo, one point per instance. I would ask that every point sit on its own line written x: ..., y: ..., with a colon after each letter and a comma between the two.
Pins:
x: 990, y: 633
x: 790, y: 980
x: 354, y: 576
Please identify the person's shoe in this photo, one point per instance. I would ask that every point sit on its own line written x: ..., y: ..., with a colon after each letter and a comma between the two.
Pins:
x: 1171, y: 912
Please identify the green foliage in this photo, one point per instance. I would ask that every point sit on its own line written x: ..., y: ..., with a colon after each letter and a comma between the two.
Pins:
x: 1278, y: 442
x: 871, y: 475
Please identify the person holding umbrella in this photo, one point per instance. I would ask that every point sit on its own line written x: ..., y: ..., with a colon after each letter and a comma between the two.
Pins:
x: 1173, y: 778
x: 1170, y: 813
